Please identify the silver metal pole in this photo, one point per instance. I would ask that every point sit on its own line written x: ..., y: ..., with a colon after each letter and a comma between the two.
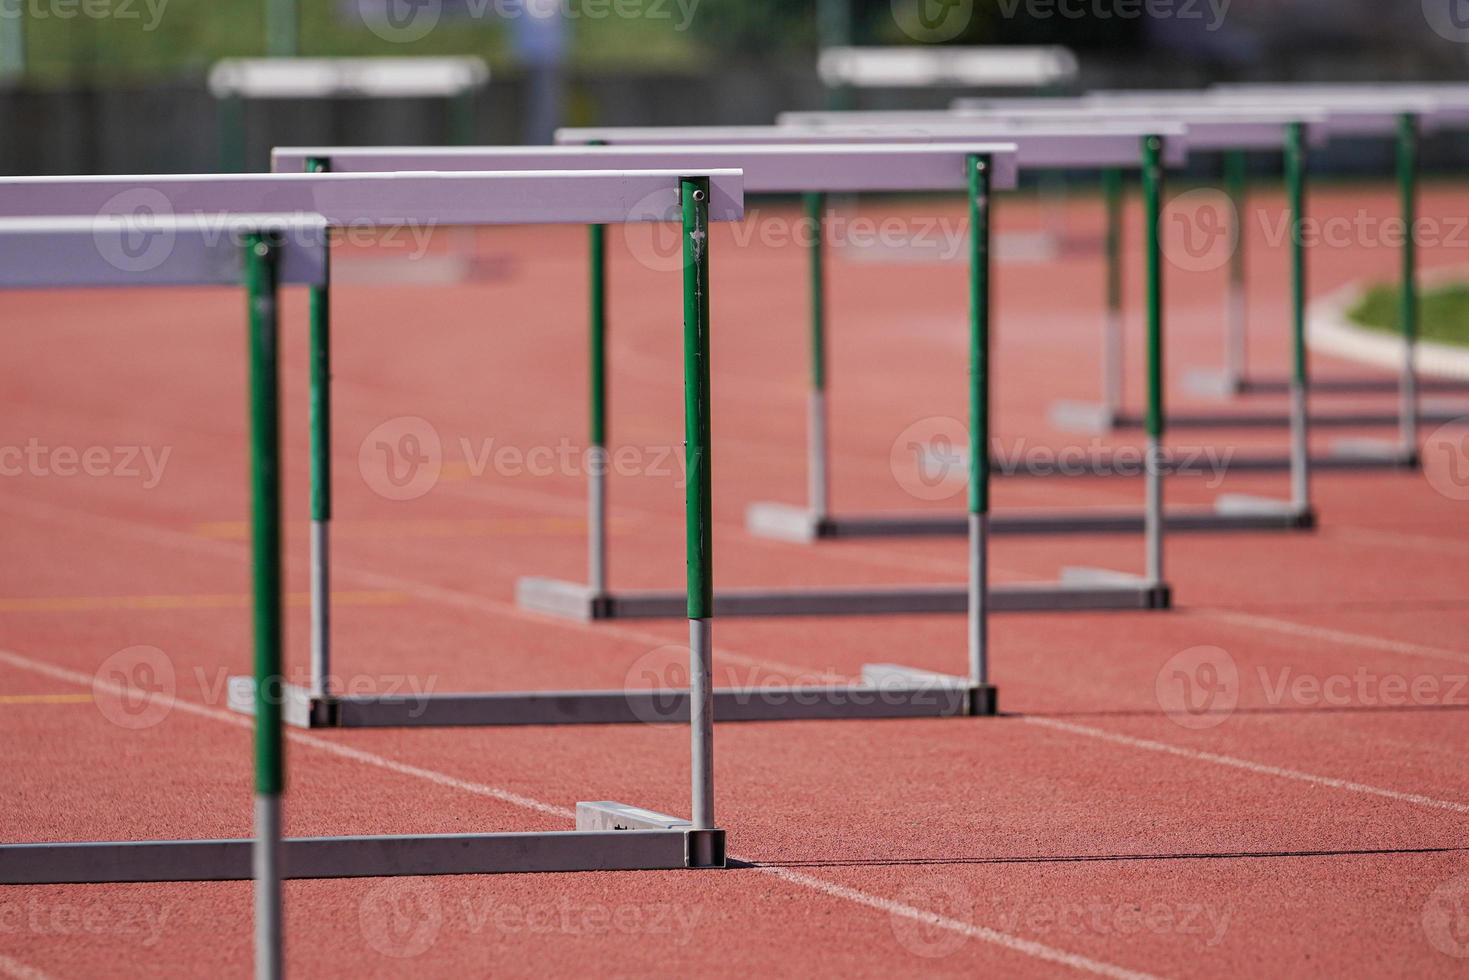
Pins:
x: 701, y: 721
x: 320, y: 610
x: 597, y: 519
x: 1300, y: 461
x: 817, y: 491
x: 1113, y: 354
x: 979, y: 526
x: 1153, y: 516
x: 1236, y: 355
x: 269, y: 948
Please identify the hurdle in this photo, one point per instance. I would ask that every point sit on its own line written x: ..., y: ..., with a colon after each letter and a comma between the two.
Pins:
x: 1208, y: 129
x: 609, y: 836
x: 887, y: 690
x: 960, y: 66
x: 235, y: 81
x: 1079, y: 588
x: 1041, y: 147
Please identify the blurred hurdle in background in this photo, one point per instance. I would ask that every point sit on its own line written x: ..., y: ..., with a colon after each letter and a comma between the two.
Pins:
x: 1401, y: 116
x: 235, y: 82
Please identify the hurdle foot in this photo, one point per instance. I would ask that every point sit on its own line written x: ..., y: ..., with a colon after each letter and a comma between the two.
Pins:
x: 299, y: 708
x: 1156, y: 596
x: 1213, y: 383
x: 565, y: 600
x: 1092, y: 417
x: 785, y: 522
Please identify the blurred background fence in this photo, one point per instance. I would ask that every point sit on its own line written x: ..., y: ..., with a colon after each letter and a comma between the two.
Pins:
x: 94, y: 86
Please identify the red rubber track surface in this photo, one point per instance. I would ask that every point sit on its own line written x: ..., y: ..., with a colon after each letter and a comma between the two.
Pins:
x: 1316, y: 828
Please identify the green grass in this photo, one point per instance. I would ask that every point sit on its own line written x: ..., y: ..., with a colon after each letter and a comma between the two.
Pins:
x: 1443, y: 312
x: 132, y: 40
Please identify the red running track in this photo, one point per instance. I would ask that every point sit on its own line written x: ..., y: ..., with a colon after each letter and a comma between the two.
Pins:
x: 1316, y: 828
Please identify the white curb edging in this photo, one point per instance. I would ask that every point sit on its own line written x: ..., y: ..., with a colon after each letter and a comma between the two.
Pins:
x: 1330, y: 331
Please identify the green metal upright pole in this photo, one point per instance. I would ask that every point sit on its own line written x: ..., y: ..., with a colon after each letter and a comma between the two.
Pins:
x: 982, y: 694
x: 282, y: 28
x: 1236, y: 352
x: 321, y: 473
x: 694, y: 196
x: 230, y: 113
x: 1152, y: 217
x: 1408, y: 195
x: 13, y: 43
x: 1295, y: 171
x: 817, y: 484
x: 1114, y: 343
x: 597, y: 396
x: 834, y: 30
x: 262, y: 253
x: 462, y: 106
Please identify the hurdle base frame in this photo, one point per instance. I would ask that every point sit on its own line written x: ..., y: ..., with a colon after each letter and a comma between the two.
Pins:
x: 1231, y: 512
x: 885, y: 691
x: 1095, y: 418
x: 1078, y: 590
x: 608, y: 837
x: 1214, y: 383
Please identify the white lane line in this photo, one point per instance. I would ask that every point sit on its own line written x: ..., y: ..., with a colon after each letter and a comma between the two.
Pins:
x: 1326, y: 634
x: 1234, y: 762
x: 900, y: 909
x: 295, y: 735
x: 14, y: 968
x: 984, y: 934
